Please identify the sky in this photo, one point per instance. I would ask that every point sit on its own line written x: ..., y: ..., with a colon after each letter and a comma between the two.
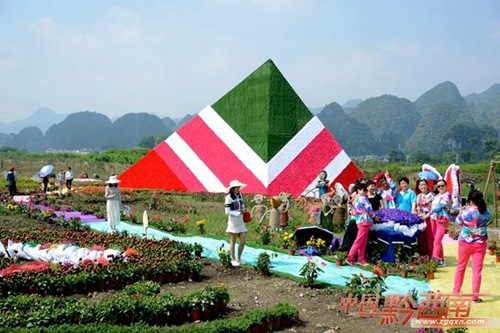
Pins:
x: 172, y: 58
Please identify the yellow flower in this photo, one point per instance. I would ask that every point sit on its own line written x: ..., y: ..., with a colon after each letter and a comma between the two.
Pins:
x: 200, y: 222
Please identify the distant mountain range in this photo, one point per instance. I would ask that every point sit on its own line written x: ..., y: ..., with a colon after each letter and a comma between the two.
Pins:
x: 42, y: 118
x: 439, y: 121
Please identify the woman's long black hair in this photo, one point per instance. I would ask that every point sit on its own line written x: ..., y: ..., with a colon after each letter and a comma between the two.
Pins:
x: 478, y: 199
x: 233, y: 195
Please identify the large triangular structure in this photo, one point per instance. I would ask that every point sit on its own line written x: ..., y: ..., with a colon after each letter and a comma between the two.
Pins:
x: 260, y: 133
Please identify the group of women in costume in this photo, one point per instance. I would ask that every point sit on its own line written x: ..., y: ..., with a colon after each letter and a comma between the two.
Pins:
x: 434, y: 206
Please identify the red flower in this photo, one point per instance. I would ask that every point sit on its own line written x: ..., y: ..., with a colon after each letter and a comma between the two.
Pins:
x: 375, y: 271
x: 323, y: 263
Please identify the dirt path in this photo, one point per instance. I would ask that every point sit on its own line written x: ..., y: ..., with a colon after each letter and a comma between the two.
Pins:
x: 320, y: 309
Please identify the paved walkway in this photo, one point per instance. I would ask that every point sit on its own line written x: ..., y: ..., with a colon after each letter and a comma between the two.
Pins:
x: 443, y: 282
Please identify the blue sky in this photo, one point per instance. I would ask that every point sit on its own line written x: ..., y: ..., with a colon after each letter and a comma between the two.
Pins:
x: 171, y: 58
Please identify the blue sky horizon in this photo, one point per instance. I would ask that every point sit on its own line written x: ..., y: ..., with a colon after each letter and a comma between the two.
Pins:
x: 171, y: 58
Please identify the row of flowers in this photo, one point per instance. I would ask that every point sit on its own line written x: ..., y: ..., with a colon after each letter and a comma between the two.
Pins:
x: 125, y: 308
x: 157, y: 260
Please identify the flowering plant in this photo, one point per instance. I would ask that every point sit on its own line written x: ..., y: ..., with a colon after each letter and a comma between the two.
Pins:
x: 200, y: 225
x: 263, y: 265
x: 265, y: 235
x: 224, y: 256
x: 289, y: 241
x: 319, y: 244
x: 398, y: 215
x: 310, y: 271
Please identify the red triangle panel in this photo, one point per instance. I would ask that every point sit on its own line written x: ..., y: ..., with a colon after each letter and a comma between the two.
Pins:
x: 151, y: 172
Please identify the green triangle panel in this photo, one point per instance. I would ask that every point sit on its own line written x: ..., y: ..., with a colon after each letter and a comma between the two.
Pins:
x: 264, y: 110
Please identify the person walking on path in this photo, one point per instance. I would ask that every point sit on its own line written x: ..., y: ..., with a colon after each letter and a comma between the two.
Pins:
x: 69, y: 178
x: 45, y: 181
x: 60, y: 179
x: 472, y: 241
x: 113, y: 202
x: 234, y: 209
x: 11, y: 178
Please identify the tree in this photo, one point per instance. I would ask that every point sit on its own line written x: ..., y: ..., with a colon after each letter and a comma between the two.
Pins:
x: 419, y: 156
x: 491, y: 146
x: 397, y: 156
x: 147, y: 142
x: 160, y: 138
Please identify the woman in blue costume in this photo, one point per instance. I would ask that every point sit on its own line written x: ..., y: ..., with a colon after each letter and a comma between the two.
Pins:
x: 323, y: 184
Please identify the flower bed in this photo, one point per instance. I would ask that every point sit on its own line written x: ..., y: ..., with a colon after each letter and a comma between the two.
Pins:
x: 125, y: 308
x: 156, y: 260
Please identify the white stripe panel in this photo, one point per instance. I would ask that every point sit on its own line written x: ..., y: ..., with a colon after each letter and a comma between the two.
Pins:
x: 239, y: 147
x: 294, y: 147
x: 194, y: 163
x: 333, y: 169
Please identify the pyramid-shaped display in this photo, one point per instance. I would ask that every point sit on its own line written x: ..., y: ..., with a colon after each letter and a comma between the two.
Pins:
x: 260, y: 133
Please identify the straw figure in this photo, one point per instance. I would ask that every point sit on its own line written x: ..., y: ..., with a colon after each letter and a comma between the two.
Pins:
x: 284, y: 208
x: 327, y: 212
x: 274, y: 213
x: 259, y: 209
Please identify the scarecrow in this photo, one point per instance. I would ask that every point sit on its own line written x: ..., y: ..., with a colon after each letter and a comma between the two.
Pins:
x: 284, y: 208
x: 274, y: 213
x: 259, y: 208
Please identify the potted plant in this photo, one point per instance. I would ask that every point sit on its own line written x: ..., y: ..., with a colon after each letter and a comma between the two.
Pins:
x: 310, y: 272
x: 492, y: 246
x: 340, y: 258
x: 200, y: 225
x: 198, y: 248
x: 405, y: 268
x: 497, y: 254
x: 263, y: 265
x: 382, y: 266
x: 289, y: 242
x: 427, y: 269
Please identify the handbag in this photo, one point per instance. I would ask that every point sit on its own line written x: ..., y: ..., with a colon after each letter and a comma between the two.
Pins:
x: 247, y: 217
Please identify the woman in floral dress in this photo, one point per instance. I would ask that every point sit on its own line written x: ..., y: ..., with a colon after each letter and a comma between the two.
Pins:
x: 424, y: 202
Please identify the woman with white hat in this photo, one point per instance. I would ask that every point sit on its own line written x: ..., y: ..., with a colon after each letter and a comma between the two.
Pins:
x: 234, y: 208
x: 113, y: 201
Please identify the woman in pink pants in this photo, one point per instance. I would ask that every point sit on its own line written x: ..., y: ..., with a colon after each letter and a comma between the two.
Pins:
x: 472, y: 241
x: 440, y: 217
x: 363, y: 215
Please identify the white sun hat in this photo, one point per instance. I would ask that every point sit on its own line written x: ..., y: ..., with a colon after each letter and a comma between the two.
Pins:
x: 113, y: 180
x: 235, y: 183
